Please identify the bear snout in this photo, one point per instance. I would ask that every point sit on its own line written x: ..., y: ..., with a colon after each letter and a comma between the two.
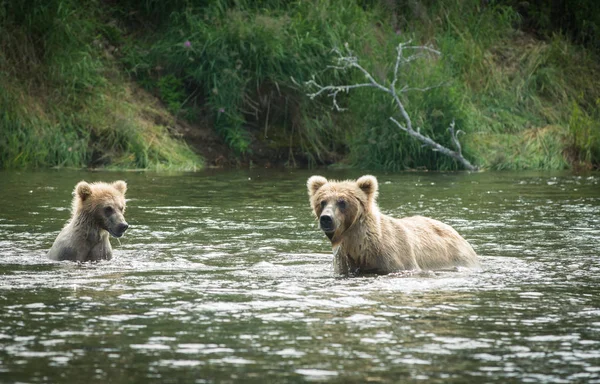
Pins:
x: 327, y: 223
x: 120, y: 230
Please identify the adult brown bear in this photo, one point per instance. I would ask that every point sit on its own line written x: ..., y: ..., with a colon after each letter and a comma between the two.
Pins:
x: 366, y: 241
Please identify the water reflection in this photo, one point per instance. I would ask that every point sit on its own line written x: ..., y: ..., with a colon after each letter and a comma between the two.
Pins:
x: 224, y: 276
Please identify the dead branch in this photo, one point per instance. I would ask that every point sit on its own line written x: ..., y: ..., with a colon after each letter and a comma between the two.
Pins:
x: 347, y: 61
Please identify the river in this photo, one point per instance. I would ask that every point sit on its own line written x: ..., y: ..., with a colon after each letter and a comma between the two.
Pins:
x: 224, y: 276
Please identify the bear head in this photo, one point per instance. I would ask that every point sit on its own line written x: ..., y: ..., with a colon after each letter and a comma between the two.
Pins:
x: 101, y: 204
x: 338, y: 205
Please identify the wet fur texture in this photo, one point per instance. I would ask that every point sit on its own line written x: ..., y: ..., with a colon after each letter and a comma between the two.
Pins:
x: 97, y: 210
x: 366, y: 241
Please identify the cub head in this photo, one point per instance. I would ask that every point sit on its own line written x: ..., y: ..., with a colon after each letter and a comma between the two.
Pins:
x: 102, y: 204
x: 338, y: 205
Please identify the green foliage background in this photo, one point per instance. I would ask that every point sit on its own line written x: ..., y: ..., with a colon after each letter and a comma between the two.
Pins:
x: 521, y: 81
x: 64, y: 101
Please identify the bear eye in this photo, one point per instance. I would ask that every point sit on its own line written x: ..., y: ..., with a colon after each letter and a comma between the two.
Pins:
x: 323, y: 203
x: 108, y: 211
x: 342, y: 204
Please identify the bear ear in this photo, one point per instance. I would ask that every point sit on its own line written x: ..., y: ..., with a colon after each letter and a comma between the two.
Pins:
x: 314, y: 183
x: 83, y: 190
x: 120, y: 186
x: 368, y: 184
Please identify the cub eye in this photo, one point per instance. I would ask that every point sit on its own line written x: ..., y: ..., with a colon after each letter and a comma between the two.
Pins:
x: 342, y: 204
x: 108, y: 211
x: 323, y: 203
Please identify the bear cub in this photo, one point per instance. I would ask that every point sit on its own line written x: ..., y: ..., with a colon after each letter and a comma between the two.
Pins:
x: 97, y: 211
x: 366, y: 241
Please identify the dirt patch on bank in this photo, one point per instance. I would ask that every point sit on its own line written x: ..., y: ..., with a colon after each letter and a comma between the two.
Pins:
x: 269, y: 148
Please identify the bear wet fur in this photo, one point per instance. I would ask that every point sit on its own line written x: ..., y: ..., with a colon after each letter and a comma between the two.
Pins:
x: 97, y: 210
x: 366, y: 241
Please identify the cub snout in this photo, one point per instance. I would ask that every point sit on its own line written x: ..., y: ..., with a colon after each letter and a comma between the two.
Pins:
x: 120, y: 229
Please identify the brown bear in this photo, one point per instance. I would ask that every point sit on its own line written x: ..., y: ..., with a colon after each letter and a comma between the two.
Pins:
x: 97, y: 211
x: 366, y: 241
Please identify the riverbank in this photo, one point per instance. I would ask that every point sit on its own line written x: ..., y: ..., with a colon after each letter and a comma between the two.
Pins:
x: 183, y: 86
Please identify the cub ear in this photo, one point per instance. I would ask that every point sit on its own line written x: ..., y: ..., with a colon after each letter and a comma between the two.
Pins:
x: 83, y: 190
x: 120, y: 186
x: 314, y: 183
x: 368, y: 184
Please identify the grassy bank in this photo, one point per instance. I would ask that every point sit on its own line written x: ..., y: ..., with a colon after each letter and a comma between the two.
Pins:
x: 64, y: 100
x: 80, y: 93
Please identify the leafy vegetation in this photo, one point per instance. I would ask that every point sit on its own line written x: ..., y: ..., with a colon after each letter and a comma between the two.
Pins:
x: 525, y: 101
x: 64, y: 103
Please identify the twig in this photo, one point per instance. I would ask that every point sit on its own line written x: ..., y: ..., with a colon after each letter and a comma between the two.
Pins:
x: 349, y: 61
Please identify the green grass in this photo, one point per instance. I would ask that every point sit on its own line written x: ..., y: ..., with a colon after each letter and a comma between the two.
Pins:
x: 241, y: 60
x: 502, y: 87
x: 584, y: 136
x: 524, y: 103
x: 64, y: 102
x: 517, y: 92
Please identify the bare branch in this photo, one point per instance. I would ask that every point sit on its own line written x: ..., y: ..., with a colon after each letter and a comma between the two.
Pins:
x: 407, y: 89
x: 454, y: 136
x: 398, y: 58
x: 424, y: 48
x: 438, y: 147
x: 349, y: 61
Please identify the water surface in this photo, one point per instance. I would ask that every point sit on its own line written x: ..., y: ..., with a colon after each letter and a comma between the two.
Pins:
x: 225, y: 277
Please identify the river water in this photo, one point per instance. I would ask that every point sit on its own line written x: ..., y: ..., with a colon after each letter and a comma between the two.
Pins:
x: 224, y: 276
